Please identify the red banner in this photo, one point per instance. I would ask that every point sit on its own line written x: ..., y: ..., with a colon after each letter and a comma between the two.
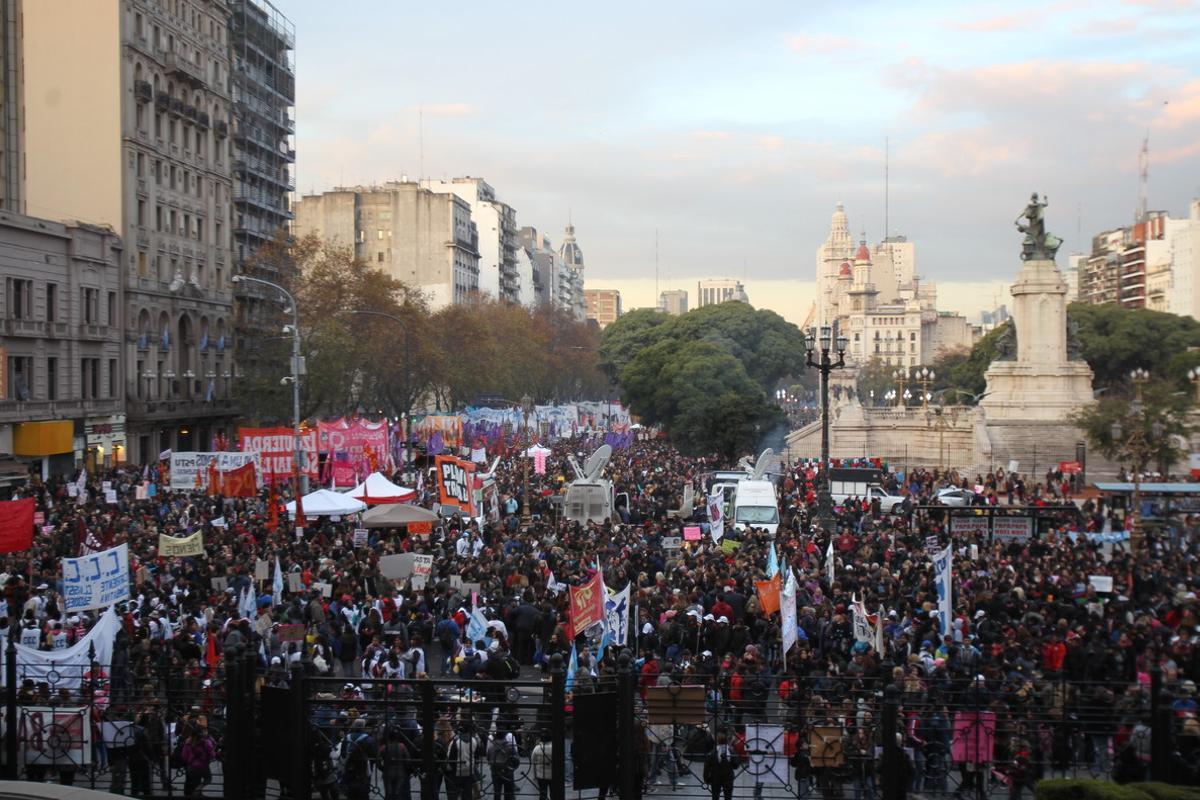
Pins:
x: 239, y: 482
x: 356, y: 448
x: 587, y: 604
x: 1069, y: 467
x: 276, y: 451
x: 16, y: 525
x: 456, y: 483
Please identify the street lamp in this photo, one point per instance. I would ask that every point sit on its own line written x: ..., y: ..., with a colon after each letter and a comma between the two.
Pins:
x: 1133, y: 443
x: 901, y: 375
x: 526, y: 407
x: 821, y: 355
x: 297, y: 369
x: 1194, y: 376
x: 407, y: 416
x: 925, y: 377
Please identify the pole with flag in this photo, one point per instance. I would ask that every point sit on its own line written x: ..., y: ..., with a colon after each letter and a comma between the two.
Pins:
x: 942, y: 579
x: 277, y: 584
x: 829, y: 562
x: 572, y: 668
x: 772, y: 562
x: 787, y: 615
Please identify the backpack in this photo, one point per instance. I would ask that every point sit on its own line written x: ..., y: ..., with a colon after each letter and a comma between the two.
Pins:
x: 355, y: 764
x: 514, y: 668
x: 505, y: 758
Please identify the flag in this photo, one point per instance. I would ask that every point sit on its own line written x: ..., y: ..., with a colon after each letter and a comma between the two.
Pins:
x: 239, y: 482
x: 829, y: 562
x: 16, y: 525
x: 477, y: 625
x: 787, y: 615
x: 616, y: 611
x: 553, y: 586
x: 214, y: 478
x: 277, y: 584
x: 772, y: 562
x: 879, y: 616
x: 81, y: 487
x: 716, y: 520
x: 272, y: 509
x: 863, y: 631
x: 301, y: 522
x: 246, y: 603
x: 572, y: 668
x: 768, y: 595
x: 587, y: 605
x: 942, y: 579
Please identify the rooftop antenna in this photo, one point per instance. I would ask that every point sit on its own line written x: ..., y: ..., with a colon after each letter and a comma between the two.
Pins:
x: 1144, y: 170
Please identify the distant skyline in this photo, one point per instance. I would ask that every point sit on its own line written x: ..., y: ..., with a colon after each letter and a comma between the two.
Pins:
x: 734, y: 134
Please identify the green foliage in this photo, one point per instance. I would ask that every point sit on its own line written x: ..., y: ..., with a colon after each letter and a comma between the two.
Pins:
x: 1116, y: 340
x: 1167, y: 791
x: 707, y: 376
x: 1149, y: 437
x: 960, y: 373
x: 1065, y: 789
x: 878, y: 377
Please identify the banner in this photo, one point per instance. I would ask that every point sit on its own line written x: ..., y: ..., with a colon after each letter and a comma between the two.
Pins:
x: 455, y: 479
x: 768, y: 595
x: 96, y: 580
x: 72, y: 663
x: 969, y: 526
x: 276, y: 452
x: 942, y: 579
x: 864, y: 630
x: 787, y: 614
x: 616, y: 611
x: 716, y: 519
x: 352, y: 445
x: 16, y: 525
x: 587, y: 605
x: 238, y: 482
x: 191, y: 470
x: 178, y: 547
x: 1012, y: 529
x: 974, y: 740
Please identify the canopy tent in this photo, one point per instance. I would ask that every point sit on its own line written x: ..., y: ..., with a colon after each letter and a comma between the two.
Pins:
x: 377, y: 490
x: 393, y: 516
x: 537, y: 448
x: 324, y: 503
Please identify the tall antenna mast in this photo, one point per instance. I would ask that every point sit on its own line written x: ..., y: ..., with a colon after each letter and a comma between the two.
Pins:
x: 887, y: 231
x: 1144, y: 170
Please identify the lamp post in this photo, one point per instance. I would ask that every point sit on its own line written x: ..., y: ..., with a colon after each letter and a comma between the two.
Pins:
x: 925, y: 377
x: 297, y: 370
x: 826, y: 355
x: 1194, y: 376
x: 1133, y: 443
x: 901, y: 375
x: 526, y: 407
x: 407, y: 366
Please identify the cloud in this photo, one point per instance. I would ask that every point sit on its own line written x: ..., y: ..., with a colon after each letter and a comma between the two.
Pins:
x: 819, y: 43
x: 1006, y: 22
x: 1115, y: 26
x: 1163, y: 6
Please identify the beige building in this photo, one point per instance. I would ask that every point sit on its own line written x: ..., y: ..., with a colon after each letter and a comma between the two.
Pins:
x: 673, y: 302
x: 422, y: 238
x: 126, y: 119
x: 603, y: 305
x: 718, y: 290
x: 496, y: 224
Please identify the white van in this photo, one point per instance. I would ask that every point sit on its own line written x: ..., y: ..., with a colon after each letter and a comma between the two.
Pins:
x: 755, y: 506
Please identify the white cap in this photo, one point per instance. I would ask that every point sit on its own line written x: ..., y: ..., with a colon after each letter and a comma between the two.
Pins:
x: 724, y: 619
x: 647, y: 628
x: 709, y: 617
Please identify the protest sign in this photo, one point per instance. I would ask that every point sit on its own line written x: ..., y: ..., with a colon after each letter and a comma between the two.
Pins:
x: 672, y: 542
x: 190, y: 470
x: 178, y: 547
x: 294, y: 584
x: 220, y: 583
x: 326, y: 589
x: 1012, y: 529
x: 730, y: 546
x: 1101, y: 583
x: 110, y: 496
x: 291, y: 633
x: 360, y: 537
x: 455, y: 479
x: 969, y: 526
x: 96, y: 580
x: 276, y: 449
x: 262, y: 570
x: 691, y: 533
x: 396, y: 566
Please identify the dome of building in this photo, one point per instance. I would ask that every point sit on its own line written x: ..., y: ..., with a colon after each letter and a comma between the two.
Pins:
x: 864, y: 252
x: 570, y: 252
x: 844, y: 271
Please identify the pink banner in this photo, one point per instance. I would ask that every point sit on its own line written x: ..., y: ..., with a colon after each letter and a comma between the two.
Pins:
x: 351, y: 444
x: 539, y: 462
x: 974, y: 737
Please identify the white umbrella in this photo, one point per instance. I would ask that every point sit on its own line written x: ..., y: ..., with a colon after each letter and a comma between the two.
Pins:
x: 324, y: 503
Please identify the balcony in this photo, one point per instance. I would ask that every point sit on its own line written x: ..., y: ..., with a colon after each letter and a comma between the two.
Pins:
x: 162, y: 101
x: 179, y: 408
x: 90, y: 331
x: 142, y: 90
x: 33, y: 328
x: 184, y: 68
x: 29, y: 410
x: 177, y: 106
x: 221, y: 128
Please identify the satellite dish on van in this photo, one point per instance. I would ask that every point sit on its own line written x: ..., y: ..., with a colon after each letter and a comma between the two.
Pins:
x: 689, y: 503
x: 765, y: 459
x: 575, y: 467
x: 596, y: 464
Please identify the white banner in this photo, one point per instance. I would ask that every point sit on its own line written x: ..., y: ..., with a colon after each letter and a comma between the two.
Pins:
x: 72, y: 663
x: 787, y: 614
x: 943, y: 580
x: 190, y: 470
x: 863, y: 632
x: 1012, y: 529
x: 969, y: 526
x: 97, y: 580
x: 616, y: 609
x: 716, y: 520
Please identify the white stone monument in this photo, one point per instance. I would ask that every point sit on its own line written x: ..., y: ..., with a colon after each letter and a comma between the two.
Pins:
x: 1037, y: 377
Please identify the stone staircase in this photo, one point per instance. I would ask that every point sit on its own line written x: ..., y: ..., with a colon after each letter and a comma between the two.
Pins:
x: 1036, y: 446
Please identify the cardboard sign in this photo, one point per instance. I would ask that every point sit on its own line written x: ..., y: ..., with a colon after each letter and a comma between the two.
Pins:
x: 220, y: 584
x: 417, y: 582
x: 105, y: 485
x: 361, y: 536
x: 456, y: 582
x: 293, y: 581
x: 729, y: 545
x: 1103, y: 584
x: 326, y: 589
x: 397, y: 566
x: 290, y: 633
x: 110, y: 496
x: 262, y: 570
x: 691, y: 533
x: 672, y: 542
x: 177, y: 547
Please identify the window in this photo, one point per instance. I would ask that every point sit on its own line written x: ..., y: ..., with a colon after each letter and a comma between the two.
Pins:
x: 171, y: 221
x: 141, y: 213
x: 89, y: 378
x: 51, y: 302
x: 112, y: 309
x: 171, y: 137
x: 112, y: 378
x: 141, y: 263
x: 141, y: 371
x: 158, y: 218
x: 20, y: 298
x: 172, y: 182
x: 20, y: 377
x: 51, y: 378
x: 158, y: 126
x: 91, y: 306
x: 380, y: 258
x: 141, y: 165
x: 140, y: 118
x: 139, y: 26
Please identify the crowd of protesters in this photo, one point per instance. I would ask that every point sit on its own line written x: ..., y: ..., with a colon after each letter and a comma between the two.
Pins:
x: 1065, y: 668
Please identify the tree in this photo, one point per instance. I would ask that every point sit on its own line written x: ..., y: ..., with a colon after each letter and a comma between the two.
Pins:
x: 1156, y: 433
x: 875, y: 376
x: 627, y: 336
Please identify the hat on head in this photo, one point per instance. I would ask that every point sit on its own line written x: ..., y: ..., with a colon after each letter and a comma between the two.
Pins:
x: 980, y: 613
x: 724, y: 620
x: 647, y: 629
x: 709, y: 617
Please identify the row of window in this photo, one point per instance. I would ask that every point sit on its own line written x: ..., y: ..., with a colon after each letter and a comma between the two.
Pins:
x: 19, y: 302
x: 22, y: 386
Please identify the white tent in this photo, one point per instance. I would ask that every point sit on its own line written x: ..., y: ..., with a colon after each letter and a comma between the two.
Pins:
x: 537, y: 448
x: 377, y: 490
x: 324, y: 503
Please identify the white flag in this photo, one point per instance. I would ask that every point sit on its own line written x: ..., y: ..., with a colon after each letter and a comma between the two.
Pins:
x: 829, y: 563
x: 716, y: 520
x: 277, y: 584
x: 553, y: 586
x: 862, y: 622
x: 879, y: 617
x: 616, y: 611
x: 787, y: 614
x: 942, y: 579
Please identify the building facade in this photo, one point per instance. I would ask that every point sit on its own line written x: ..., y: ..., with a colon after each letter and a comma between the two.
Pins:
x: 10, y: 107
x: 718, y: 290
x: 141, y: 144
x: 61, y: 396
x: 557, y: 280
x: 423, y: 238
x: 571, y: 288
x: 496, y: 224
x: 603, y: 306
x: 673, y: 302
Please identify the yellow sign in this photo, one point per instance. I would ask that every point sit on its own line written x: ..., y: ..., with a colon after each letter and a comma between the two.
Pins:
x: 173, y: 546
x: 43, y: 438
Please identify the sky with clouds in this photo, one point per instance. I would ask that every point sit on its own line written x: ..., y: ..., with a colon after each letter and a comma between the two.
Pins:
x: 732, y: 129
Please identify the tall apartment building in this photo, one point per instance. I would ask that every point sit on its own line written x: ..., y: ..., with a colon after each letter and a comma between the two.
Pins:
x: 423, y: 238
x: 126, y: 119
x: 603, y: 305
x: 263, y: 95
x: 496, y: 223
x: 673, y: 301
x: 571, y: 255
x: 557, y: 281
x: 60, y: 376
x: 718, y: 290
x: 10, y: 107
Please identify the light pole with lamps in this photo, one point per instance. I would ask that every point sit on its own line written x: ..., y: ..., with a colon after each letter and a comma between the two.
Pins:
x: 901, y: 375
x: 297, y: 370
x: 526, y: 407
x: 826, y: 355
x: 407, y: 366
x: 925, y: 377
x: 1134, y: 444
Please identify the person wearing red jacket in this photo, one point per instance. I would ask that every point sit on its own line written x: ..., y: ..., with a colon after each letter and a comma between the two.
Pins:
x: 649, y: 672
x: 1054, y: 652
